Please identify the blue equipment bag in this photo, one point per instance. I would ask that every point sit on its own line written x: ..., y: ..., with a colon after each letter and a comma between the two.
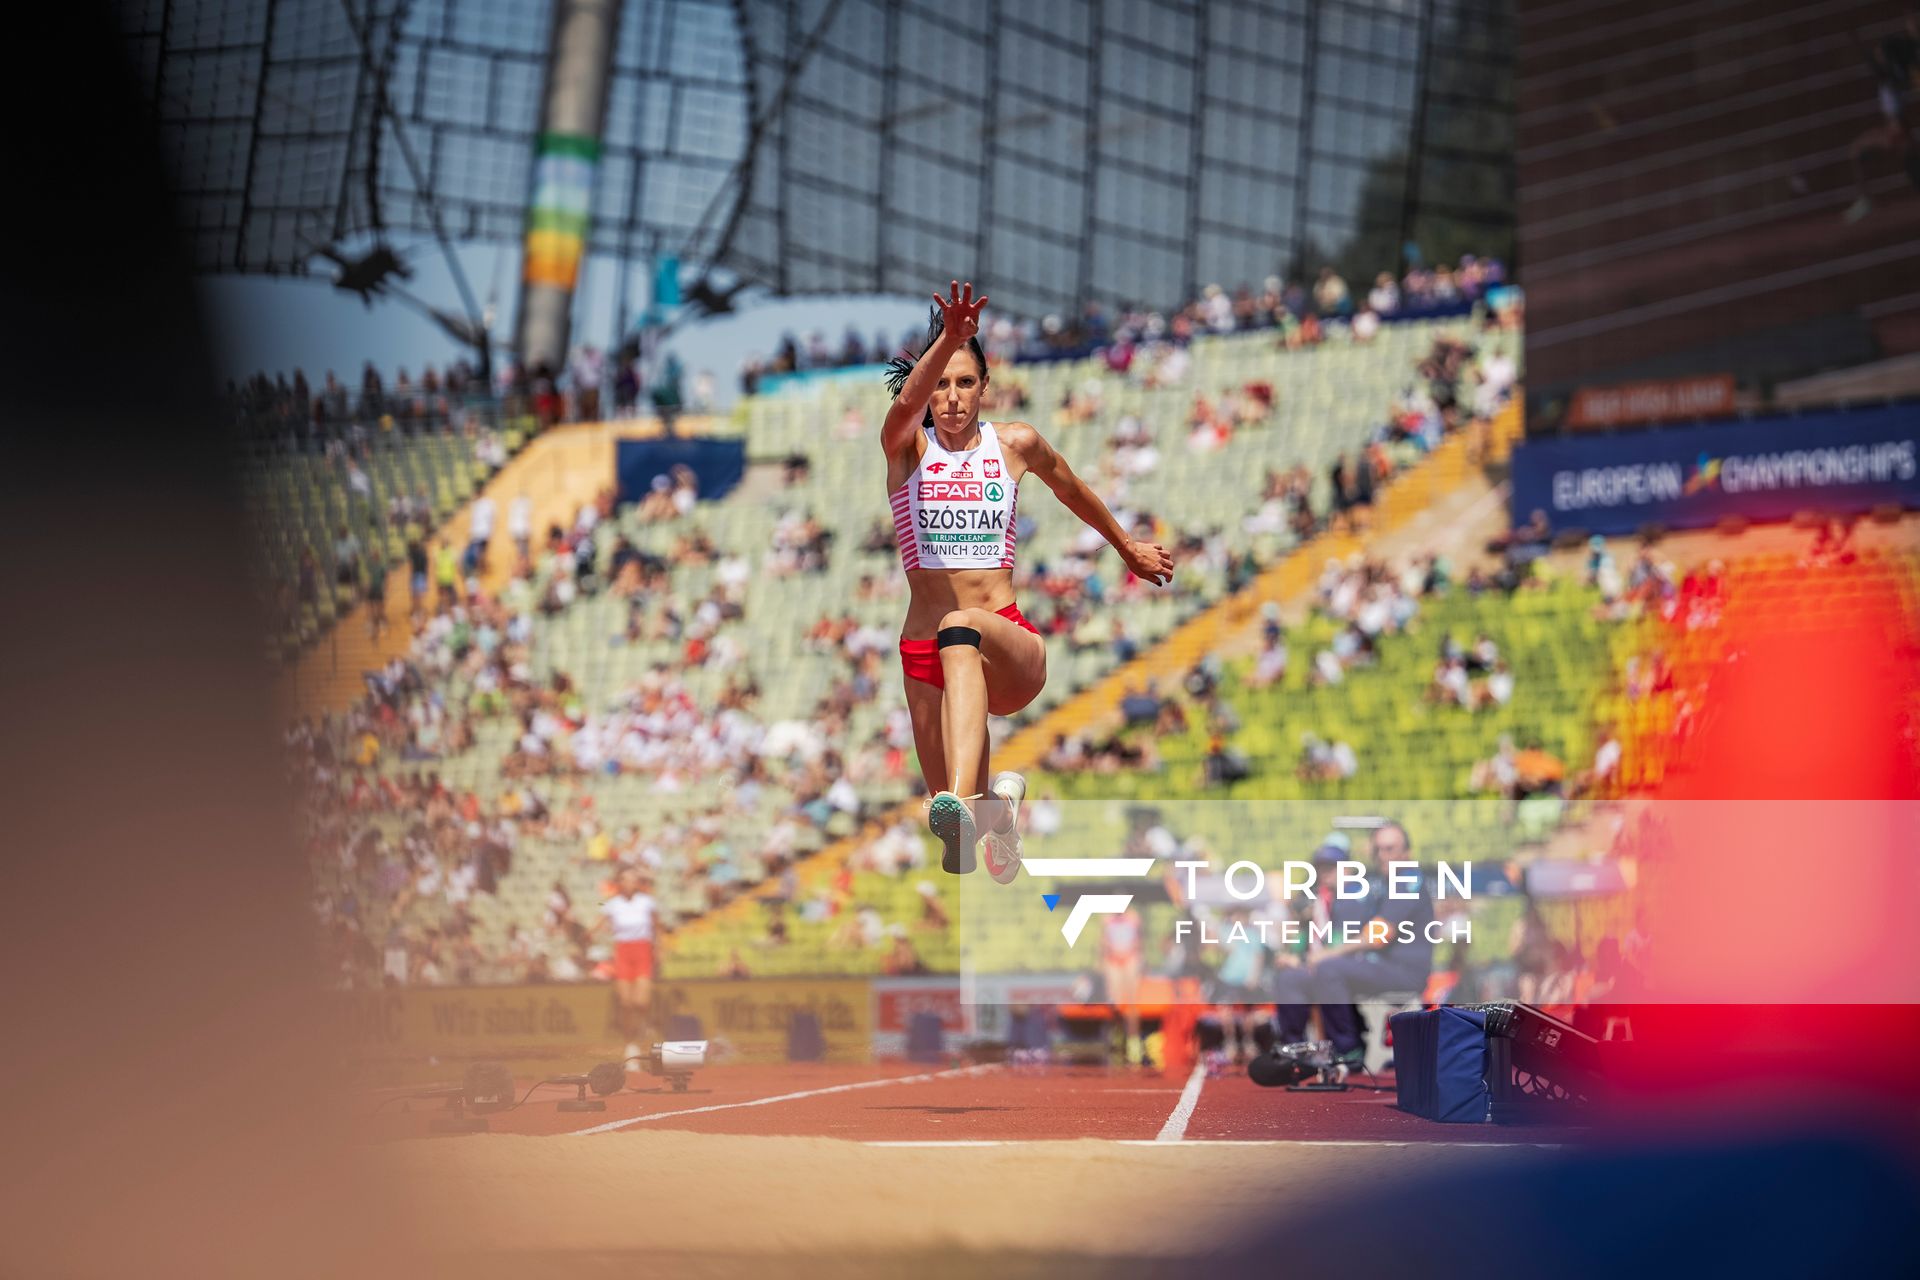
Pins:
x: 1440, y: 1064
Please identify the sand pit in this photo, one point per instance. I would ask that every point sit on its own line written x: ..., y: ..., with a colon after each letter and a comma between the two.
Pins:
x: 718, y: 1204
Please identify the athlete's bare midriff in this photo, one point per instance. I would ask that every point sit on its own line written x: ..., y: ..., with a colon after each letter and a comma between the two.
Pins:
x: 937, y: 592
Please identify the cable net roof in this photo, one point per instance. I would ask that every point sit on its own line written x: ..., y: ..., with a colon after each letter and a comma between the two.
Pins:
x: 1126, y: 150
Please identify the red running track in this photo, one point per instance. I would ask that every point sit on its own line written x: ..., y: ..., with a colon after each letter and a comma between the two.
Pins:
x: 911, y: 1103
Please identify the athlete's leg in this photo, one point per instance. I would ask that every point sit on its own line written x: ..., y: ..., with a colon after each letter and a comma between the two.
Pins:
x: 923, y: 706
x: 998, y: 669
x: 989, y: 811
x: 948, y: 817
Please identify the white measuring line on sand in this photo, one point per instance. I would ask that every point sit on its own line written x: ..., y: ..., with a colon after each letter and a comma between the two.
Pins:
x: 781, y: 1097
x: 1176, y: 1126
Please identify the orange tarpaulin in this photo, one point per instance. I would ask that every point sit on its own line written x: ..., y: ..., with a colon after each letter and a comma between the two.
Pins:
x: 1157, y: 995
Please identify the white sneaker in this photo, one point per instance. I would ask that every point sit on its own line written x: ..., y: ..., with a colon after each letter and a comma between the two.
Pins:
x: 1002, y: 847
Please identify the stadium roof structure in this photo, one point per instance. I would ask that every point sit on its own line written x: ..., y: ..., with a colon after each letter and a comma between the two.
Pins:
x: 1126, y: 150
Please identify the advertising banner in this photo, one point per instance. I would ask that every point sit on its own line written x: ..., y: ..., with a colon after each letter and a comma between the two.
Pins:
x: 748, y: 1020
x: 975, y: 1012
x: 1639, y: 403
x: 1689, y: 477
x: 459, y: 1023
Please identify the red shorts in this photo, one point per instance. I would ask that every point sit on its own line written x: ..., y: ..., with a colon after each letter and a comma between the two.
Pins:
x: 920, y: 659
x: 632, y: 961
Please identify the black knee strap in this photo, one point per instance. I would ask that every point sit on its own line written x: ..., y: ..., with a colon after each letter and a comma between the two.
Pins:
x: 958, y: 635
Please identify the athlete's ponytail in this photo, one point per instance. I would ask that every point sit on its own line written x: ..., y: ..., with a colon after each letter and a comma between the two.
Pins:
x: 901, y: 366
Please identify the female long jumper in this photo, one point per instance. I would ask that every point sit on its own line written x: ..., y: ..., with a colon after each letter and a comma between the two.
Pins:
x: 966, y: 651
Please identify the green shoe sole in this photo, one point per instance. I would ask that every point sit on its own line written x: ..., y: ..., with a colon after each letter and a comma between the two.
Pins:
x: 952, y: 824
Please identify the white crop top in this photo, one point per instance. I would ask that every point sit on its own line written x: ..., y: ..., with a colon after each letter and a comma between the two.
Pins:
x: 956, y: 511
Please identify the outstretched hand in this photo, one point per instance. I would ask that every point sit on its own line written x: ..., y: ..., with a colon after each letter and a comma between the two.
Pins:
x: 960, y: 314
x: 1149, y: 561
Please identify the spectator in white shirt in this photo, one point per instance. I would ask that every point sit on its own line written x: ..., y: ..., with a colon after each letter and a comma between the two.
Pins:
x: 1345, y: 763
x: 1271, y: 666
x: 686, y: 490
x: 1384, y: 297
x: 479, y: 532
x: 1499, y: 689
x: 520, y: 525
x: 1327, y: 668
x: 589, y: 371
x: 1606, y: 762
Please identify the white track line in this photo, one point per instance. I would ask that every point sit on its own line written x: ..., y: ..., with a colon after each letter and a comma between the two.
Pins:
x: 780, y: 1097
x: 1176, y: 1126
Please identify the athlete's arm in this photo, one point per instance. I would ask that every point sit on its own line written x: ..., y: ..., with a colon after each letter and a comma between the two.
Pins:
x: 1148, y: 560
x: 960, y: 320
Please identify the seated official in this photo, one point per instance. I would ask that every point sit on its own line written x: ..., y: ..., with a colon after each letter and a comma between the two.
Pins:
x: 1338, y: 975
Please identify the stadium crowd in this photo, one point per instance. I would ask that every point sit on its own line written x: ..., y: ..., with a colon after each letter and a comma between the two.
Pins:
x: 294, y: 414
x: 1299, y: 311
x: 469, y: 666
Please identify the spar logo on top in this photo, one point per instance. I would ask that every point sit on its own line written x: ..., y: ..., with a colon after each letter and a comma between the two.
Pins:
x: 961, y: 486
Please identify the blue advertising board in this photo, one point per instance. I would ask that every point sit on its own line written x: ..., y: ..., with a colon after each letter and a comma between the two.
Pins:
x: 1846, y: 460
x: 717, y: 464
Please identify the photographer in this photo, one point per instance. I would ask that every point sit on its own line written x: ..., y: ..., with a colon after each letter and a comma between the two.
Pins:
x: 1336, y: 975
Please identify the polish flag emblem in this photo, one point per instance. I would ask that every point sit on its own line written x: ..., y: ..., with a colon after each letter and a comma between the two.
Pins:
x: 992, y: 468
